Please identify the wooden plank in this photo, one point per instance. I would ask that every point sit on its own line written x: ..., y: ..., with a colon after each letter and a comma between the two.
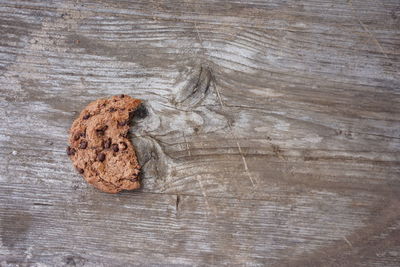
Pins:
x: 152, y: 228
x: 272, y: 135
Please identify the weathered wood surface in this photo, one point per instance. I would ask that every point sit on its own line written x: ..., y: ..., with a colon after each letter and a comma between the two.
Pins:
x: 272, y: 135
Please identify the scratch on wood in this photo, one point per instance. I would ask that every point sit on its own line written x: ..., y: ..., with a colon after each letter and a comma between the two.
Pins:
x: 245, y: 164
x: 203, y: 50
x: 213, y: 210
x: 219, y: 95
x: 368, y: 31
x: 237, y: 142
x: 187, y: 144
x: 198, y: 34
x: 373, y: 38
x: 347, y: 241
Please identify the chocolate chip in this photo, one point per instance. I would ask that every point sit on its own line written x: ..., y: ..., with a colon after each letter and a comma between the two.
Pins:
x: 124, y: 145
x: 83, y: 144
x: 125, y: 134
x: 101, y: 130
x: 86, y: 116
x: 122, y: 96
x: 113, y: 109
x: 80, y: 170
x: 115, y: 148
x: 134, y: 179
x: 77, y: 136
x: 83, y: 134
x: 101, y: 157
x: 122, y: 123
x: 70, y: 151
x: 107, y: 144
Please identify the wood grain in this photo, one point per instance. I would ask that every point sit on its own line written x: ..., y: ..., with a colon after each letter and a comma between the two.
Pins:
x: 271, y: 134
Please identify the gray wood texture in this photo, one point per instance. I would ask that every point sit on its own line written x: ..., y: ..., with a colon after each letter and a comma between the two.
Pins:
x: 272, y: 133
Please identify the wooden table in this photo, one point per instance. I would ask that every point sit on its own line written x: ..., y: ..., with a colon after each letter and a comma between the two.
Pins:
x: 272, y: 135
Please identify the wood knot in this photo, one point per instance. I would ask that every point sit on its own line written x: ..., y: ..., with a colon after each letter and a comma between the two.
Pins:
x: 196, y: 88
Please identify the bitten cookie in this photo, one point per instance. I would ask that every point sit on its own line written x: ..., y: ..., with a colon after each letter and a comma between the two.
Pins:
x: 99, y: 147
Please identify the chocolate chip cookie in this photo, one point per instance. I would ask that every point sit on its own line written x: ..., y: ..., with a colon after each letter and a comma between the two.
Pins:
x: 99, y: 146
